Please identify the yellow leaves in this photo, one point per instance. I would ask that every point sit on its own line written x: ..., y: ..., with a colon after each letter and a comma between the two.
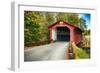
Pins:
x: 26, y: 30
x: 86, y: 41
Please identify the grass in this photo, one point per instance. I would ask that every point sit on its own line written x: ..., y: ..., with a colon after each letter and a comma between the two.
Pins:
x: 79, y: 52
x: 82, y: 54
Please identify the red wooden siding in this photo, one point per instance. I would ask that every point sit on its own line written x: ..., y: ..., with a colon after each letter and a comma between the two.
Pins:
x: 75, y: 32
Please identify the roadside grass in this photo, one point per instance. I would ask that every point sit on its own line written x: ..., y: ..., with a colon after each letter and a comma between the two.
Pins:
x: 79, y: 52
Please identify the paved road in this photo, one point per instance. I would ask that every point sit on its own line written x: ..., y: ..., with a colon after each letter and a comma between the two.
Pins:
x: 53, y: 51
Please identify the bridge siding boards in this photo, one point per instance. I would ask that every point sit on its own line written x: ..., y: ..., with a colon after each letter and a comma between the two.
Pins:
x: 75, y: 32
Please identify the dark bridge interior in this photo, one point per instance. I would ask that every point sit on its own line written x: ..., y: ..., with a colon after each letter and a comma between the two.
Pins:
x: 63, y: 34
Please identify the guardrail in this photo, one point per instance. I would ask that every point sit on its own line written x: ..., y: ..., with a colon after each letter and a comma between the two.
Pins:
x: 75, y: 52
x: 72, y: 51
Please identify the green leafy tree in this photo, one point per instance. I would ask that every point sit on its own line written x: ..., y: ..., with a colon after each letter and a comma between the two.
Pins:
x: 31, y: 29
x: 69, y: 17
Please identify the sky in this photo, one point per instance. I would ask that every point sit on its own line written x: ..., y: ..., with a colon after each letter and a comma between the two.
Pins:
x: 87, y: 18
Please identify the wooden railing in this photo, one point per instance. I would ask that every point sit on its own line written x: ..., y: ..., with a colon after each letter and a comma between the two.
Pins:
x: 72, y: 51
x: 77, y: 52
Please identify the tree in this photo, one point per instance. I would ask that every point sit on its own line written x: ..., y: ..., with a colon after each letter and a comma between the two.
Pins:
x: 31, y: 28
x: 62, y: 16
x: 82, y: 24
x: 69, y: 17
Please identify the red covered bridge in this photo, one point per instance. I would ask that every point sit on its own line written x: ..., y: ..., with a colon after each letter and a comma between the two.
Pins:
x: 64, y: 31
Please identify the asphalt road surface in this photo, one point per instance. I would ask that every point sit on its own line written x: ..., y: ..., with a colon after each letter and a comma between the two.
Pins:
x: 53, y: 51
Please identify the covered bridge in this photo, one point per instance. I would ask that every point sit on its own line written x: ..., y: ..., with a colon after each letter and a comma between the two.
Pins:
x: 64, y: 31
